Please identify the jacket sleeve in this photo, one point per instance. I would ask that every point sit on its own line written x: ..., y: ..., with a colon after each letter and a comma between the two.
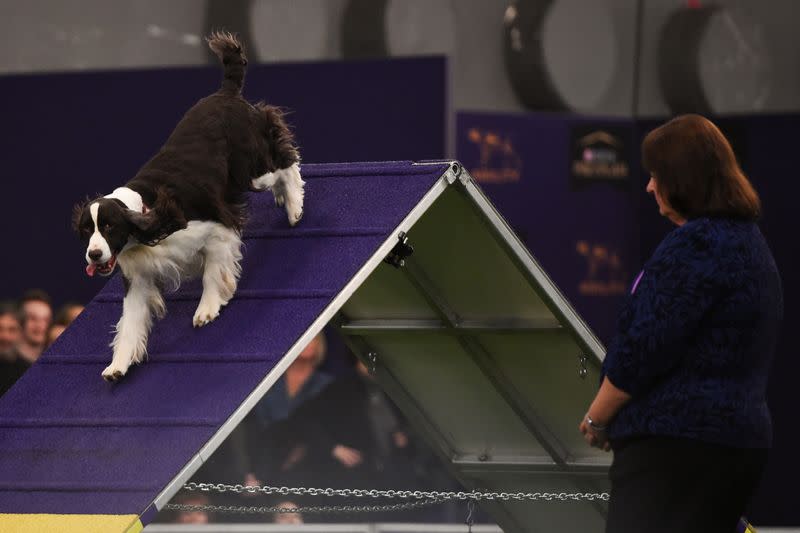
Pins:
x: 679, y: 285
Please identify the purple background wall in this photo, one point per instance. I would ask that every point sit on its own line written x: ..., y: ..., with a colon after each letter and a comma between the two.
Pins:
x: 66, y: 136
x: 552, y: 216
x: 559, y: 222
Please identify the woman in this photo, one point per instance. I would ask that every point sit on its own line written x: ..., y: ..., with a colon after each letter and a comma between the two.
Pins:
x: 682, y: 401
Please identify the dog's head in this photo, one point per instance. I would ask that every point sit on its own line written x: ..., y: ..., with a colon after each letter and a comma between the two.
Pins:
x: 104, y: 224
x: 107, y: 226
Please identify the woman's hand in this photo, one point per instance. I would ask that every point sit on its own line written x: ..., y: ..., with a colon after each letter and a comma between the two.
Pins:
x: 593, y: 437
x: 607, y: 403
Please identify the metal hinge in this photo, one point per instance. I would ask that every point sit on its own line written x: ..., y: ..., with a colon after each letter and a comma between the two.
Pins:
x: 401, y: 250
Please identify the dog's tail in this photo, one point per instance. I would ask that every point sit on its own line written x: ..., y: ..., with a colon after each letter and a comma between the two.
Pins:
x: 230, y: 51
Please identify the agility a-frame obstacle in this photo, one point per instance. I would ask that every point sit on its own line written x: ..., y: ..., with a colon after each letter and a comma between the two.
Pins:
x: 467, y: 335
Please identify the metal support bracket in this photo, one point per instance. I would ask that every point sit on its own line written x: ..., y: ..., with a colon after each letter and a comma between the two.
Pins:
x: 401, y: 250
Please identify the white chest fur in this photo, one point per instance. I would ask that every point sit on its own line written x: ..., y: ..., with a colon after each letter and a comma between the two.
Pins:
x: 180, y: 256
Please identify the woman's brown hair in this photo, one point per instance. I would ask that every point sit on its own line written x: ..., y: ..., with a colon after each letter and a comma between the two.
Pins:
x: 696, y: 171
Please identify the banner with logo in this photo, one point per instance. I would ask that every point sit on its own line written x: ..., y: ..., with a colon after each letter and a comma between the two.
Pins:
x: 564, y: 185
x: 600, y: 153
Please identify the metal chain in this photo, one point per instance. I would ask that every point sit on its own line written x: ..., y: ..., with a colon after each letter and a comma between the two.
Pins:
x: 403, y: 494
x: 422, y: 498
x: 305, y: 510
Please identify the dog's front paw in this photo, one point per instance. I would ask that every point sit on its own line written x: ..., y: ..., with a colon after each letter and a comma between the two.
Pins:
x: 279, y: 193
x: 205, y: 313
x: 264, y: 182
x: 114, y: 372
x: 295, y: 214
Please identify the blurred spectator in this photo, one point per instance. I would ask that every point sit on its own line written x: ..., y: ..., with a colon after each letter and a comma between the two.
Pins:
x: 351, y: 435
x: 244, y: 454
x: 288, y: 518
x: 368, y: 446
x: 10, y: 326
x: 64, y: 317
x: 37, y: 314
x: 53, y: 332
x: 12, y: 365
x: 301, y: 382
x: 192, y: 517
x: 68, y: 313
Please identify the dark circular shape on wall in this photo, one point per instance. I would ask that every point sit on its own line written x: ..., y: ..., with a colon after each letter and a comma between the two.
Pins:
x: 382, y: 28
x: 580, y: 49
x: 363, y: 29
x: 678, y: 60
x: 714, y: 60
x: 524, y: 55
x: 420, y: 27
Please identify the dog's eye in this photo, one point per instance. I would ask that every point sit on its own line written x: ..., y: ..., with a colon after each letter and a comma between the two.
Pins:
x: 107, y: 227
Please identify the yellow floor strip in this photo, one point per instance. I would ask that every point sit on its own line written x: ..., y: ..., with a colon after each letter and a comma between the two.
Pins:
x: 69, y: 523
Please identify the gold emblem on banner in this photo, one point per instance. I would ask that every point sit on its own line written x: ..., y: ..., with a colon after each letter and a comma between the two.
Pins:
x: 604, y: 273
x: 499, y: 161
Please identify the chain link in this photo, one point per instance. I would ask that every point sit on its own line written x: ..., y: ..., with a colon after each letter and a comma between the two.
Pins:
x: 319, y: 509
x: 422, y: 498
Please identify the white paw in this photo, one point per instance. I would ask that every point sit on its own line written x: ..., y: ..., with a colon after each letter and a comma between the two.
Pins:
x: 280, y: 199
x: 295, y: 213
x: 114, y: 372
x: 264, y: 182
x: 206, y: 312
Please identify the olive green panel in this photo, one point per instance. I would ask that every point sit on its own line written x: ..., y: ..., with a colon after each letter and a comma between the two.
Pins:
x: 544, y: 367
x: 454, y: 395
x: 471, y: 270
x: 387, y: 294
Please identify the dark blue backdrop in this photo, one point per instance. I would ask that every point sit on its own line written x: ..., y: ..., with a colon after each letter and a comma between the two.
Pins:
x: 574, y: 231
x: 531, y: 185
x: 65, y: 136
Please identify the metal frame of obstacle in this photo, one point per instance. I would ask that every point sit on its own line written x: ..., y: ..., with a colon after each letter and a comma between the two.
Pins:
x: 467, y: 334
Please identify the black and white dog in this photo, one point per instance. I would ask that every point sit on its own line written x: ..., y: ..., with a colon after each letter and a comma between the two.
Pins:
x: 181, y: 215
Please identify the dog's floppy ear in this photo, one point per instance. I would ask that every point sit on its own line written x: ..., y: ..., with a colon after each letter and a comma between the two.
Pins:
x: 158, y: 223
x: 77, y: 211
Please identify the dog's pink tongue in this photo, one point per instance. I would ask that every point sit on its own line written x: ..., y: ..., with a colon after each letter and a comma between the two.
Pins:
x: 90, y: 268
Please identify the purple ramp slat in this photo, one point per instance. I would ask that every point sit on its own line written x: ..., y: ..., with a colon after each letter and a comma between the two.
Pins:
x: 71, y: 443
x: 258, y: 321
x: 176, y: 392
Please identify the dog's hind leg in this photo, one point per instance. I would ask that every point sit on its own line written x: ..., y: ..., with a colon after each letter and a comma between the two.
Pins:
x: 280, y: 153
x: 221, y: 271
x: 288, y: 188
x: 292, y: 188
x: 271, y: 181
x: 142, y: 300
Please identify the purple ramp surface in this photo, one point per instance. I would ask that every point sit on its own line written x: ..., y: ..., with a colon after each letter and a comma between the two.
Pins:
x: 72, y: 443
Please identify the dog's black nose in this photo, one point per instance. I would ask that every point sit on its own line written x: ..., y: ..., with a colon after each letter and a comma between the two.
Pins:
x: 94, y: 255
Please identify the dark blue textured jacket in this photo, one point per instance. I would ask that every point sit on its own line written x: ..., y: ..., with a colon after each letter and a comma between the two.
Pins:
x: 696, y: 338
